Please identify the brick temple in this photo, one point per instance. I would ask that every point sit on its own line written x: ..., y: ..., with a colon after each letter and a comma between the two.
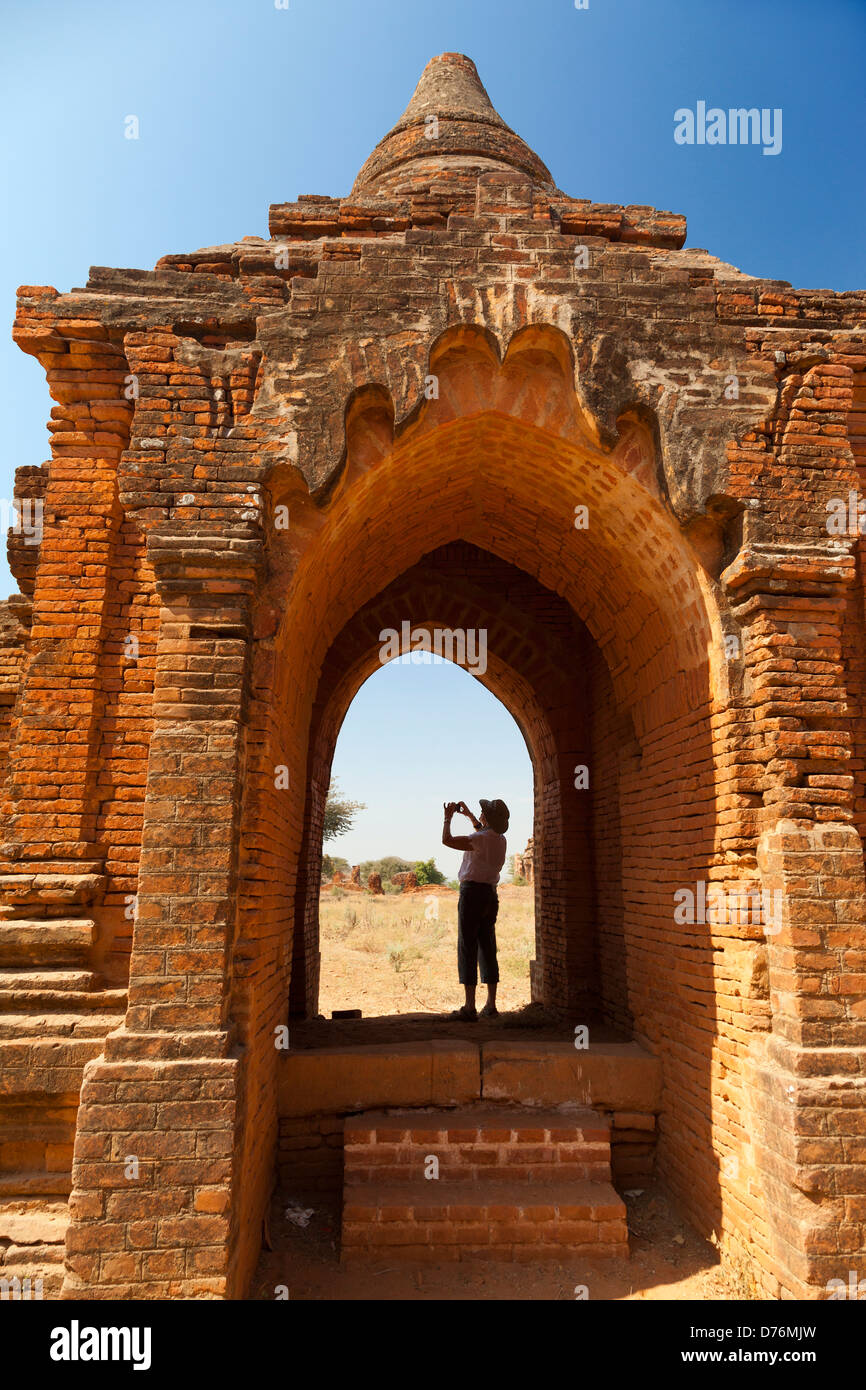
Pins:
x: 458, y: 397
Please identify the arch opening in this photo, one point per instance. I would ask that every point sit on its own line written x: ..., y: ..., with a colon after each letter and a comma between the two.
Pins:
x: 420, y: 731
x: 627, y: 680
x: 535, y: 652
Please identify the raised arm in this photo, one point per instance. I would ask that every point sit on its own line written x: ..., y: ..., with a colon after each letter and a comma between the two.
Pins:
x: 463, y: 809
x: 453, y: 841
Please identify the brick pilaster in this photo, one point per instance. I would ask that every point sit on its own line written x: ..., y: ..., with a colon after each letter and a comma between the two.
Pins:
x: 161, y: 1115
x: 806, y: 1078
x: 52, y: 805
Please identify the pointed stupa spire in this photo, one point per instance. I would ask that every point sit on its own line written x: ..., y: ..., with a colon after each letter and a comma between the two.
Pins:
x: 449, y: 128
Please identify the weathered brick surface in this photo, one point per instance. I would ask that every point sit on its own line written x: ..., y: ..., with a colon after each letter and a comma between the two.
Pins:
x: 440, y: 1072
x: 473, y: 1145
x: 480, y: 1182
x: 426, y: 1221
x: 700, y: 646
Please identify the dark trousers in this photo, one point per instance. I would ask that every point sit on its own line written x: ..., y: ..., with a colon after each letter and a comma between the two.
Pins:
x: 476, y: 933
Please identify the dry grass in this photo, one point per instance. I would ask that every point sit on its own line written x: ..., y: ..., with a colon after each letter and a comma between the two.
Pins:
x: 398, y: 953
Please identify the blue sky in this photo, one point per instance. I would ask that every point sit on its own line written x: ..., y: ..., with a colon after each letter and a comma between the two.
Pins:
x: 414, y: 737
x: 241, y: 104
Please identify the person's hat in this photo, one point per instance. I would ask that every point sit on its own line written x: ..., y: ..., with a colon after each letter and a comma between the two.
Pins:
x: 498, y: 815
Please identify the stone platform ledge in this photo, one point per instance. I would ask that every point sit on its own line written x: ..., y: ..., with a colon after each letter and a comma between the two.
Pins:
x: 610, y: 1076
x: 340, y: 1080
x: 37, y: 889
x: 345, y: 1080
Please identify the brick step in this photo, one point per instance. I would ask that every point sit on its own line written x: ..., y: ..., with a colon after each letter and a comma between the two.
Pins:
x: 49, y: 1000
x: 506, y: 1144
x: 33, y: 1221
x: 21, y: 1254
x: 54, y: 941
x: 22, y: 1185
x: 447, y: 1221
x: 40, y: 1070
x: 31, y: 981
x: 32, y: 1246
x: 59, y: 1025
x: 21, y: 1126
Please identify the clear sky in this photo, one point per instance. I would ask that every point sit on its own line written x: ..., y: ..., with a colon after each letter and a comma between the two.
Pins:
x: 414, y: 737
x: 241, y: 104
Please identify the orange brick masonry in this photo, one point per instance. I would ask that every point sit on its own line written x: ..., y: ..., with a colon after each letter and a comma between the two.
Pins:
x: 394, y: 408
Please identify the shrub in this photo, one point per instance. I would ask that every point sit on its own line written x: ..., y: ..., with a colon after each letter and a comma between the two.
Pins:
x: 386, y: 868
x: 426, y: 872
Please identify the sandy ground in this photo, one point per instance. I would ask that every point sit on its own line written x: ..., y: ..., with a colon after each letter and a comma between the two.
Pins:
x: 668, y: 1261
x: 397, y: 953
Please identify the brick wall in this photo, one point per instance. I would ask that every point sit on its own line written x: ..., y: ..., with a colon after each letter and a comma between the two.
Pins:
x: 310, y: 1152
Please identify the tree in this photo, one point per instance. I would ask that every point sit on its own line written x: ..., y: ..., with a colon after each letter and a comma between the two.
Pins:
x: 339, y: 813
x: 426, y: 872
x: 386, y: 867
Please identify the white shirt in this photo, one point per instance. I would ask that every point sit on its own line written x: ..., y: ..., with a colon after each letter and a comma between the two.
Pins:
x: 482, y: 864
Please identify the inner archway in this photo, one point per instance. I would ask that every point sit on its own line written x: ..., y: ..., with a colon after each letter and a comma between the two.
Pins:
x: 536, y: 660
x: 420, y: 731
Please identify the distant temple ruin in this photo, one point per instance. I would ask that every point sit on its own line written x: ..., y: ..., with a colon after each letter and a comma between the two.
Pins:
x: 524, y: 866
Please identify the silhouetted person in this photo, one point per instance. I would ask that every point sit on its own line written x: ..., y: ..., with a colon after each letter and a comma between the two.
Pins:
x: 484, y: 855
